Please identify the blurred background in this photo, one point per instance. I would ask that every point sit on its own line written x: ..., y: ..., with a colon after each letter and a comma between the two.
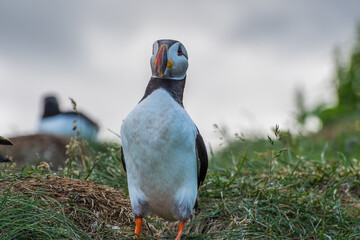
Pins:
x: 252, y: 64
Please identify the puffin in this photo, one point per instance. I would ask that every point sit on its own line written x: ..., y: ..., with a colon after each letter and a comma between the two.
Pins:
x: 53, y: 121
x: 163, y: 152
x: 4, y: 141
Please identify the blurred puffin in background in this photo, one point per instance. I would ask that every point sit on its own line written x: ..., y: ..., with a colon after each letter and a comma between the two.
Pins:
x: 53, y: 121
x: 4, y: 141
x: 163, y: 152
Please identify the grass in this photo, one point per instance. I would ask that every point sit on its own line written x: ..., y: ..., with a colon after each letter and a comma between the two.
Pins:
x: 36, y: 214
x: 33, y: 218
x: 288, y: 187
x: 279, y: 187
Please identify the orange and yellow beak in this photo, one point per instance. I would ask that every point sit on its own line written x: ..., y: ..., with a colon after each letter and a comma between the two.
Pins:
x: 161, y: 61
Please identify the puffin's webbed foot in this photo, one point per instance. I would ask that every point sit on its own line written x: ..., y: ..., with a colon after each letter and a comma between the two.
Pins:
x: 138, y: 224
x: 181, y: 230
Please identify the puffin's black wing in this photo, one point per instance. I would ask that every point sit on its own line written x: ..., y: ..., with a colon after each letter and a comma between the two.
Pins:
x: 83, y: 117
x: 123, y: 158
x: 202, y: 158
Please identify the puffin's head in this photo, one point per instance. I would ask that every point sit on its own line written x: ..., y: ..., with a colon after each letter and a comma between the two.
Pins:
x: 51, y: 107
x: 169, y: 59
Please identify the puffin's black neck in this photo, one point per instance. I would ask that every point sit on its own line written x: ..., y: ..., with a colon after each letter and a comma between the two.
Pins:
x: 174, y: 87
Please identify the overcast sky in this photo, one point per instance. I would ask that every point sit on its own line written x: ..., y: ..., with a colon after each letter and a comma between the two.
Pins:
x: 246, y: 58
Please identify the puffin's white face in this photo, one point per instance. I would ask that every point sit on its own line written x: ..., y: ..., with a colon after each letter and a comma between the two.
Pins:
x: 169, y: 59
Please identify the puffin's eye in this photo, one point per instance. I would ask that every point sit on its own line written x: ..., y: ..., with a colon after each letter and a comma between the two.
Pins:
x: 180, y: 51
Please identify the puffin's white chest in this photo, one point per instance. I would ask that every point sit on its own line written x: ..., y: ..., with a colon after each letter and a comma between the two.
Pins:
x: 158, y: 139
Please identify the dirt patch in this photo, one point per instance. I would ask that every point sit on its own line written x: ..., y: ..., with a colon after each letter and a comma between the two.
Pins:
x: 110, y: 205
x: 33, y: 149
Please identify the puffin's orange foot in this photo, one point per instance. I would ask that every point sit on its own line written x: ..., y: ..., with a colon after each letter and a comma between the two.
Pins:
x: 138, y: 223
x: 181, y: 230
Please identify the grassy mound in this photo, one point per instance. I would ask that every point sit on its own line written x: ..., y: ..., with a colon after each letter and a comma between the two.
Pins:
x: 282, y: 187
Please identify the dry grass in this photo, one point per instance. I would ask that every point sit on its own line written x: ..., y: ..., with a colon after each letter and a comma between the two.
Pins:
x: 108, y: 204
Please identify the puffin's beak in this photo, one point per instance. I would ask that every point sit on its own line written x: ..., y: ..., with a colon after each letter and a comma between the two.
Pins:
x: 5, y: 141
x: 161, y: 60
